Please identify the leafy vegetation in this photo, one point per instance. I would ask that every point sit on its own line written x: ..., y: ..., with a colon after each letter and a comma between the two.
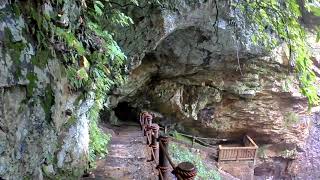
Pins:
x: 182, y: 154
x: 289, y: 154
x: 291, y: 118
x: 262, y: 151
x: 14, y: 49
x: 47, y: 101
x: 278, y: 21
x: 32, y: 78
x: 79, y: 33
x: 180, y: 137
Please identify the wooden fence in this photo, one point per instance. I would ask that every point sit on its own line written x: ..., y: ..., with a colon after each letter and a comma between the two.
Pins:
x: 248, y: 152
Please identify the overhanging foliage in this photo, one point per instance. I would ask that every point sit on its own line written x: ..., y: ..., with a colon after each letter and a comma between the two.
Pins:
x: 278, y: 21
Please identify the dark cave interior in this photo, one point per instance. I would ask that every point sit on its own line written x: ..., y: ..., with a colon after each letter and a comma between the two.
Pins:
x: 125, y: 112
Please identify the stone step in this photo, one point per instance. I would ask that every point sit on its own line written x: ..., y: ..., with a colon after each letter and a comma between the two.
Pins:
x: 111, y: 160
x: 124, y: 140
x: 127, y: 158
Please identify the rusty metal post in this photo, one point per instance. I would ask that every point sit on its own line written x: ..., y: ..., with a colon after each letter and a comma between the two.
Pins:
x: 141, y: 119
x: 185, y: 171
x: 147, y: 120
x: 142, y: 122
x: 164, y: 164
x: 154, y: 141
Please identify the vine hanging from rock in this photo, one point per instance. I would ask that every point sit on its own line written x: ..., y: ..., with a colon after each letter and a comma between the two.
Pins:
x: 278, y: 21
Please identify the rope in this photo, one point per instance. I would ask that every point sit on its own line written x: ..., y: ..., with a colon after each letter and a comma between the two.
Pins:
x: 154, y: 156
x: 145, y: 122
x: 160, y: 173
x: 149, y: 138
x: 167, y: 155
x: 196, y: 137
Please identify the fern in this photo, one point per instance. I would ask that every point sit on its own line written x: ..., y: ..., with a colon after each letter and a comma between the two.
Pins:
x: 98, y: 7
x: 98, y: 139
x: 282, y: 18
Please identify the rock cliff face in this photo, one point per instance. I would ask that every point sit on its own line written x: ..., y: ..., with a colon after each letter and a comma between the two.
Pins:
x: 33, y: 145
x: 214, y: 79
x: 215, y: 82
x: 208, y: 80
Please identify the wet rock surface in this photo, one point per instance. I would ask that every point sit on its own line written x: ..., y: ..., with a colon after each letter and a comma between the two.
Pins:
x: 214, y: 82
x: 206, y: 81
x: 38, y: 139
x: 307, y: 165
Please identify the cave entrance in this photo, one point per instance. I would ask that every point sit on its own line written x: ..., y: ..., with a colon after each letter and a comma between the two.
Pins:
x: 126, y: 113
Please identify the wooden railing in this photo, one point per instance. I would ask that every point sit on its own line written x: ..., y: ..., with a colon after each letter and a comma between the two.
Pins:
x: 248, y: 152
x: 206, y: 142
x: 158, y: 146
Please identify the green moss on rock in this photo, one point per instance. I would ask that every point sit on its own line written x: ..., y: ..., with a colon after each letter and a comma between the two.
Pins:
x: 14, y: 49
x: 47, y: 102
x: 290, y: 119
x: 40, y: 59
x: 32, y: 77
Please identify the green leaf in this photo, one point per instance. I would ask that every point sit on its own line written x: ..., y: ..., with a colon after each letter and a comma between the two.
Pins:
x: 98, y: 7
x: 84, y: 62
x: 315, y: 10
x: 82, y: 74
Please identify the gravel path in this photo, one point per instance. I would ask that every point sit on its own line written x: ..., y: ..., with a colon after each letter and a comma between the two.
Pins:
x: 127, y: 158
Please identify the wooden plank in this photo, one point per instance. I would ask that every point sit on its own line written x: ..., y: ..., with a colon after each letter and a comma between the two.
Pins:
x: 229, y: 153
x: 236, y: 151
x: 251, y: 141
x: 246, y: 158
x: 255, y: 157
x: 226, y: 148
x: 226, y: 156
x: 220, y: 153
x: 239, y: 153
x: 236, y: 154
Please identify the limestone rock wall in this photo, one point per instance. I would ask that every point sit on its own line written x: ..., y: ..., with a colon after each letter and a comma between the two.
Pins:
x: 190, y: 62
x: 43, y: 127
x: 212, y: 77
x: 213, y: 81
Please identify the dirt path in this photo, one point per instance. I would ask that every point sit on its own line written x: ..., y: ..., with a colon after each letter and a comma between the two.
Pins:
x: 127, y: 158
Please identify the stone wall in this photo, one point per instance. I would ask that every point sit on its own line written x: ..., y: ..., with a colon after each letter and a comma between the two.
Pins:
x: 212, y: 80
x: 208, y: 80
x: 43, y: 127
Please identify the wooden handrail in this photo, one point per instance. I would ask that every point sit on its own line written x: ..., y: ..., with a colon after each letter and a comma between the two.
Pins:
x: 251, y: 141
x: 231, y: 148
x: 196, y: 137
x: 239, y: 153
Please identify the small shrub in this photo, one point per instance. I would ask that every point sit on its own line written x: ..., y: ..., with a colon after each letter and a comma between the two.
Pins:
x: 98, y: 143
x: 289, y: 154
x: 262, y: 152
x: 290, y: 119
x: 179, y: 137
x: 98, y: 139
